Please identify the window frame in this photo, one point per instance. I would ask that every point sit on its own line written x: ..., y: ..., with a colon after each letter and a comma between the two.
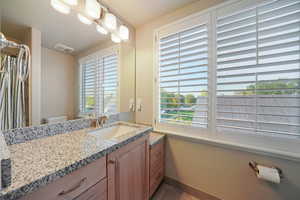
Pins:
x: 179, y: 26
x: 98, y: 55
x: 212, y: 65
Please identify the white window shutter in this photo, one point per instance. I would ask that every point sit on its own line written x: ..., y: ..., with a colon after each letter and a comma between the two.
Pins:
x: 110, y: 83
x: 99, y: 84
x: 258, y: 69
x: 183, y: 77
x: 87, y: 86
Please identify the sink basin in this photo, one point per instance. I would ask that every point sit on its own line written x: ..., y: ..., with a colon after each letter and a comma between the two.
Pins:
x: 112, y: 132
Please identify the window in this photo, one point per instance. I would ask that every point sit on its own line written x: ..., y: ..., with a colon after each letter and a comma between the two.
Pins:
x: 183, y: 77
x: 237, y: 70
x: 99, y: 84
x: 258, y: 85
x: 110, y: 83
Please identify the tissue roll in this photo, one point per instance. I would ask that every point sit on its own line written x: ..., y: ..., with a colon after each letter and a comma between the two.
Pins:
x: 268, y: 174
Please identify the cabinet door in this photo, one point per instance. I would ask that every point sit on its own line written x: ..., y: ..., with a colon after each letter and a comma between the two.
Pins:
x: 128, y: 172
x: 156, y: 166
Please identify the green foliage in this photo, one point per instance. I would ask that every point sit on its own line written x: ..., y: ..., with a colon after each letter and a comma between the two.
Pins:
x: 203, y: 94
x: 188, y: 115
x: 271, y: 88
x: 90, y: 103
x: 171, y: 100
x: 190, y: 99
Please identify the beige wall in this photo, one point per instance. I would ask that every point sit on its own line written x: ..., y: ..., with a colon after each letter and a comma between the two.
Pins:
x: 33, y: 37
x: 225, y: 173
x: 127, y: 76
x: 216, y: 170
x: 58, y: 84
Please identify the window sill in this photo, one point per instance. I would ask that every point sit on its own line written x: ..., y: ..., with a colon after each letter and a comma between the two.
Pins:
x: 284, y: 148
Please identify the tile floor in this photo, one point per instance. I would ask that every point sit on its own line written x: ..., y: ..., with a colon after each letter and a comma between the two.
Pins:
x: 168, y: 192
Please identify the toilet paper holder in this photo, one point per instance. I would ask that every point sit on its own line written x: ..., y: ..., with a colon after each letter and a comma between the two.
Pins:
x: 253, y: 166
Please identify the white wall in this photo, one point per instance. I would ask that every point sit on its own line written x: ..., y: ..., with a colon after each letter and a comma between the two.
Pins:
x: 57, y: 84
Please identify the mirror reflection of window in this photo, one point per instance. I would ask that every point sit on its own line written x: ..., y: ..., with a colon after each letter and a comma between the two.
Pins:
x: 99, y: 82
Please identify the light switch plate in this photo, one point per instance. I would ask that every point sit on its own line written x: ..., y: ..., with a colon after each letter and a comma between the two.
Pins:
x: 131, y: 105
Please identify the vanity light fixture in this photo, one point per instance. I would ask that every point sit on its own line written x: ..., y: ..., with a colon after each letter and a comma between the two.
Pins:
x: 101, y: 30
x: 92, y: 9
x: 71, y: 2
x: 110, y: 21
x: 84, y: 19
x: 115, y: 38
x: 60, y: 6
x: 123, y: 32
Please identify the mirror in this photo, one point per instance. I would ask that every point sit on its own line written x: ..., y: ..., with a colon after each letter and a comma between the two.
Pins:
x: 75, y: 70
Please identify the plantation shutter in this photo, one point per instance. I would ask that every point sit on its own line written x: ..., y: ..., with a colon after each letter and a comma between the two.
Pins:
x: 88, y: 86
x: 183, y: 77
x: 110, y: 83
x: 258, y: 69
x: 99, y: 84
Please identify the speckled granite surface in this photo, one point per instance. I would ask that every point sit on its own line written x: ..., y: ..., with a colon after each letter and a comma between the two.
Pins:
x: 155, y: 138
x: 39, y: 162
x: 20, y: 135
x: 5, y: 163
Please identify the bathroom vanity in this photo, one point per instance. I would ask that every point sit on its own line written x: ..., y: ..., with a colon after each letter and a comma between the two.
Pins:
x: 102, y: 179
x: 87, y: 164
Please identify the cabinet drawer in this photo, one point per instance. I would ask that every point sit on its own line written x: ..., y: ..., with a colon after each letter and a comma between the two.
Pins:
x: 157, y: 153
x: 155, y: 180
x: 72, y: 185
x: 97, y: 192
x: 156, y: 166
x: 156, y: 158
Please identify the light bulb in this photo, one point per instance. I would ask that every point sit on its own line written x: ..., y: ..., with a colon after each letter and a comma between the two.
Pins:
x: 102, y: 30
x: 92, y: 9
x: 84, y: 19
x: 123, y: 32
x: 110, y: 21
x: 115, y: 38
x: 71, y: 2
x: 60, y: 6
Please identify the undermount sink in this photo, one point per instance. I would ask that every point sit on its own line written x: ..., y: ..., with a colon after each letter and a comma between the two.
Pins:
x: 113, y: 131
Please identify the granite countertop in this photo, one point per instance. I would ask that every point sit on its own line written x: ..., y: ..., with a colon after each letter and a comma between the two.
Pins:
x: 4, y: 151
x: 41, y: 161
x: 155, y: 138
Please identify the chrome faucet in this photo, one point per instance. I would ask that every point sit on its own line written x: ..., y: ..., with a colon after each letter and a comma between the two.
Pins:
x: 101, y: 121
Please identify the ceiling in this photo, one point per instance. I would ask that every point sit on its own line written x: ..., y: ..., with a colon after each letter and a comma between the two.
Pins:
x: 138, y: 12
x: 16, y: 15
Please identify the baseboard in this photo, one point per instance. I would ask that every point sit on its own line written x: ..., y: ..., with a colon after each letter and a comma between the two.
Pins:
x: 188, y: 189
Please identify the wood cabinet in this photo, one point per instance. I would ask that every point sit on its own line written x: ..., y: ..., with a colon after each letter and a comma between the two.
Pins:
x: 156, y: 166
x: 74, y: 184
x: 128, y: 171
x: 96, y: 192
